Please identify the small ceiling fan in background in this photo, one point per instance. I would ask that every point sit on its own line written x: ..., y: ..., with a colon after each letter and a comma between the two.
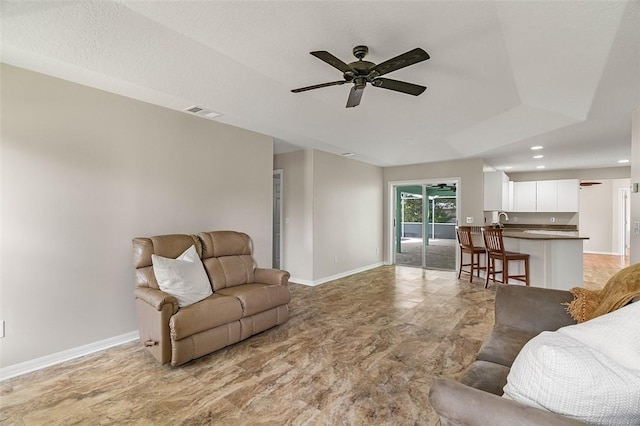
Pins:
x: 361, y: 72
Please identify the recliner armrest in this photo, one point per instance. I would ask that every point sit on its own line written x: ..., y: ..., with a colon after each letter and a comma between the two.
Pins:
x: 156, y: 298
x: 458, y: 404
x: 532, y: 309
x: 271, y: 276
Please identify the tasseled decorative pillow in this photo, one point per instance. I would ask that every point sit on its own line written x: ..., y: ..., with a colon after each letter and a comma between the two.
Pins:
x: 619, y: 290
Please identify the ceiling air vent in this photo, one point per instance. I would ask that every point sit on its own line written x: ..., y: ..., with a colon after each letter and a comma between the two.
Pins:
x: 202, y: 112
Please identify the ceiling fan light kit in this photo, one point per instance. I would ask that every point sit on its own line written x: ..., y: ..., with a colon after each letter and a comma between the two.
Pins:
x: 361, y: 72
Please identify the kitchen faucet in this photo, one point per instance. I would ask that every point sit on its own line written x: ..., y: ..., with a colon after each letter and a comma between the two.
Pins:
x: 495, y: 216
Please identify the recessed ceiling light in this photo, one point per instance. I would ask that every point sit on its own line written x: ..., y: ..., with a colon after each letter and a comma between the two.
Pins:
x: 538, y: 156
x: 508, y: 167
x: 539, y: 167
x: 623, y: 161
x: 347, y: 154
x: 537, y: 147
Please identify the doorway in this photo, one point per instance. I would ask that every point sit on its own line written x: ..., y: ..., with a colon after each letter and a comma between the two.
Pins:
x: 277, y: 220
x: 425, y: 217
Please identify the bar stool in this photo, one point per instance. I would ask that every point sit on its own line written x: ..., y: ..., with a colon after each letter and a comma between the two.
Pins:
x: 465, y: 241
x: 494, y: 245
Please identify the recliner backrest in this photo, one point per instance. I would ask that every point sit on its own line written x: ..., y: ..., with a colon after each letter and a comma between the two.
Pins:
x: 227, y: 258
x: 170, y: 246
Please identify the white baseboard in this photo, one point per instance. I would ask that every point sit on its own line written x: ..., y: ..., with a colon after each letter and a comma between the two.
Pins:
x: 69, y: 354
x: 334, y: 277
x: 601, y: 252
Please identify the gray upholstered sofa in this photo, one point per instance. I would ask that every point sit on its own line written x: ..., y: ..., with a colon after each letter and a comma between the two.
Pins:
x: 521, y: 313
x: 246, y: 300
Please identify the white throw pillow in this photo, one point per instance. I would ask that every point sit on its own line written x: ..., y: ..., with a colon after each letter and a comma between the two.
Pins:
x: 183, y: 277
x: 589, y: 371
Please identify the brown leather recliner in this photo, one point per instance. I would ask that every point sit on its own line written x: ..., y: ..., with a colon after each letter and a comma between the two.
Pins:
x: 246, y: 300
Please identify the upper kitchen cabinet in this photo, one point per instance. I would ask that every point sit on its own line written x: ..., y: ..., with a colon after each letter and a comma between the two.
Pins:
x: 524, y: 197
x: 568, y: 195
x: 547, y: 196
x: 496, y: 191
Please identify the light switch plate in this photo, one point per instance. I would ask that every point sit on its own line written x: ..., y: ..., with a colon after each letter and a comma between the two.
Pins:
x: 470, y: 220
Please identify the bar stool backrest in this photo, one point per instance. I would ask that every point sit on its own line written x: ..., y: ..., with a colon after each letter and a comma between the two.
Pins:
x: 464, y: 237
x: 493, y: 240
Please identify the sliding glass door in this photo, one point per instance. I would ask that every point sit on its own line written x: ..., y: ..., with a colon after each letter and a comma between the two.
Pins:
x: 425, y: 220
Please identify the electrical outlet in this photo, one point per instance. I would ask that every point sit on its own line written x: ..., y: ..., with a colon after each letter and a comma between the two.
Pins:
x: 553, y: 219
x: 469, y: 219
x: 377, y: 250
x: 335, y: 259
x: 636, y: 228
x: 515, y: 218
x: 1, y: 329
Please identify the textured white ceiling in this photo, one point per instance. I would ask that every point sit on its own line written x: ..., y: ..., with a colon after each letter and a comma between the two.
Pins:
x: 502, y: 75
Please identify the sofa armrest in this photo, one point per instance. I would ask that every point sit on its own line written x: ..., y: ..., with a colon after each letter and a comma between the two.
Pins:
x: 271, y: 276
x: 156, y: 298
x: 457, y: 404
x: 533, y: 309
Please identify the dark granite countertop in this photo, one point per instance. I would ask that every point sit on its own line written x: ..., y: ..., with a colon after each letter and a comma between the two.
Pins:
x: 518, y: 230
x: 545, y: 227
x: 508, y: 233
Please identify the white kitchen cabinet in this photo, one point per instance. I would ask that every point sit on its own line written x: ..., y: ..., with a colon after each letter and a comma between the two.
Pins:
x: 512, y: 197
x: 524, y: 194
x: 547, y: 196
x: 496, y: 191
x: 568, y: 195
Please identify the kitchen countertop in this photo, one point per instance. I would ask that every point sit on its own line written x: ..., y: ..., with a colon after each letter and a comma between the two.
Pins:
x: 545, y: 227
x: 507, y: 233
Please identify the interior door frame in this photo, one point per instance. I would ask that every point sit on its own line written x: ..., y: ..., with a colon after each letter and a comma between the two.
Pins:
x: 391, y: 225
x: 280, y: 174
x: 624, y: 220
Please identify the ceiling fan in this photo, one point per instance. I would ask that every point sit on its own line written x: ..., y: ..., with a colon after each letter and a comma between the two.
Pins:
x: 361, y: 72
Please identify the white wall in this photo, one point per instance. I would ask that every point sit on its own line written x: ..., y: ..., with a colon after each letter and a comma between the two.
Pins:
x: 347, y: 215
x: 85, y: 171
x: 600, y: 216
x: 333, y: 209
x: 471, y: 176
x: 635, y: 178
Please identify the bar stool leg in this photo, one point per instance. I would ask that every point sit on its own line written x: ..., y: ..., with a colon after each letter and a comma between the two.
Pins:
x: 486, y: 280
x: 526, y: 270
x: 473, y: 264
x: 505, y: 271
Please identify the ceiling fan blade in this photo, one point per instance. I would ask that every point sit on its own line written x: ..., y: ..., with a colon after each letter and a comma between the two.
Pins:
x: 409, y: 58
x: 332, y: 60
x: 318, y: 86
x: 399, y: 86
x: 354, y: 96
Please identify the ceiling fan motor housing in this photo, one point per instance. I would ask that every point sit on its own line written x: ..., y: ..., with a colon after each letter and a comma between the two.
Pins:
x: 360, y: 51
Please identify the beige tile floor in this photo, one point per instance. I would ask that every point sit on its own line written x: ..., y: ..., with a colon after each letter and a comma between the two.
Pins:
x: 360, y: 350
